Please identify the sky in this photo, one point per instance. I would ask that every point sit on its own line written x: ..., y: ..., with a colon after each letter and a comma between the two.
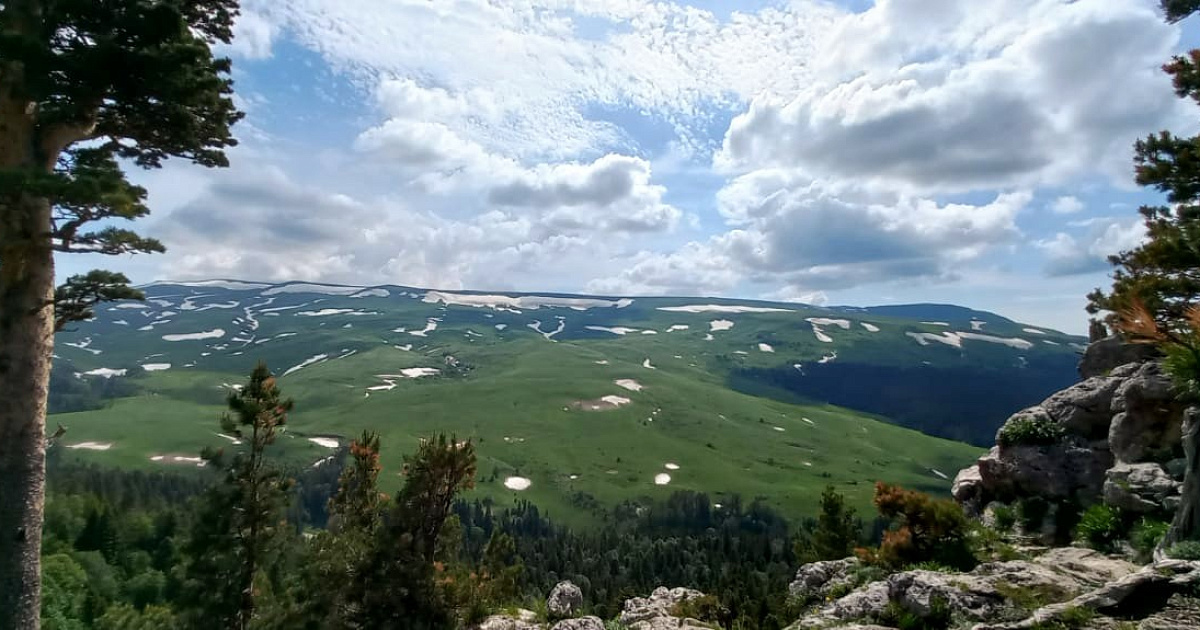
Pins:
x: 855, y: 153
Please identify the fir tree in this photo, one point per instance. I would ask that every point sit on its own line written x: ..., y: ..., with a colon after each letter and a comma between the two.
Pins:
x: 83, y: 84
x: 242, y: 518
x: 1156, y: 286
x: 836, y: 533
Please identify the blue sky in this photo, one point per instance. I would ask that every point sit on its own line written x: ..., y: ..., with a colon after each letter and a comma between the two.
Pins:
x: 842, y: 153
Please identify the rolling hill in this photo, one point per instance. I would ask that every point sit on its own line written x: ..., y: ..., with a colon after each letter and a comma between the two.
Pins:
x: 575, y: 402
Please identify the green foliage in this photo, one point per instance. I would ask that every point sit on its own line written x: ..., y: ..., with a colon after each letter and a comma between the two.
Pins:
x: 835, y: 534
x: 1029, y: 430
x: 1074, y: 618
x: 707, y: 609
x: 897, y: 616
x: 1031, y: 512
x: 127, y: 617
x: 1101, y: 527
x: 240, y: 526
x: 1006, y: 518
x: 925, y: 529
x: 1185, y: 550
x: 1029, y: 598
x: 1145, y: 537
x: 76, y: 299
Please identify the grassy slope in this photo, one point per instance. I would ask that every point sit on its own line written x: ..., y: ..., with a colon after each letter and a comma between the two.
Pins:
x: 522, y: 386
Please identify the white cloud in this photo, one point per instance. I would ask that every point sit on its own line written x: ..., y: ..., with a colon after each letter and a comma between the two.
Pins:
x: 1067, y: 205
x: 1068, y: 255
x: 942, y: 96
x: 253, y: 35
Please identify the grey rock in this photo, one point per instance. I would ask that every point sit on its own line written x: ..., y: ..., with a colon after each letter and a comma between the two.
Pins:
x: 1148, y: 417
x: 525, y: 620
x: 968, y: 489
x: 565, y: 600
x: 1057, y: 471
x: 816, y: 579
x: 1084, y: 409
x: 583, y: 623
x: 1086, y: 567
x: 1101, y: 357
x: 968, y: 596
x: 1141, y: 488
x: 648, y: 611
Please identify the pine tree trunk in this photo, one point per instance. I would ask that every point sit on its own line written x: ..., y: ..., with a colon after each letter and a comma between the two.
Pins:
x: 1186, y: 525
x: 26, y: 344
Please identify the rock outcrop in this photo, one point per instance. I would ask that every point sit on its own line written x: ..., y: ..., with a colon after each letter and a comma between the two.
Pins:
x: 1108, y: 438
x: 655, y: 612
x: 565, y: 600
x: 993, y: 591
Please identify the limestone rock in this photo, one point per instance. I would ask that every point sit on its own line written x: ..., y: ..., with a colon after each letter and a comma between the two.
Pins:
x: 816, y: 579
x: 583, y: 623
x: 967, y: 595
x: 1086, y: 567
x: 1084, y: 409
x: 1148, y: 417
x: 1141, y: 488
x: 1056, y: 471
x: 1111, y: 352
x: 968, y: 489
x: 654, y: 612
x: 565, y: 600
x: 525, y: 620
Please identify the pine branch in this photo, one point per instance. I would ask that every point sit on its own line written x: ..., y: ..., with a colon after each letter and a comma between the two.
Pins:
x: 77, y: 298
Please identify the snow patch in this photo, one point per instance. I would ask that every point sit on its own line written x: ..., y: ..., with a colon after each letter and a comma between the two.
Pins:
x: 616, y: 401
x: 763, y: 347
x: 501, y: 326
x: 820, y: 334
x: 531, y: 302
x: 91, y: 446
x: 325, y: 312
x: 977, y: 325
x: 671, y: 466
x: 947, y: 324
x: 537, y: 326
x: 646, y: 364
x: 821, y: 321
x: 630, y: 384
x: 215, y: 333
x: 312, y: 288
x: 678, y: 327
x: 156, y: 367
x: 307, y: 362
x: 718, y: 325
x: 662, y: 479
x: 619, y: 330
x: 430, y: 326
x: 829, y: 358
x: 372, y: 293
x: 105, y: 372
x: 1034, y: 331
x: 326, y: 442
x: 722, y: 308
x: 517, y: 483
x: 870, y: 327
x: 939, y: 473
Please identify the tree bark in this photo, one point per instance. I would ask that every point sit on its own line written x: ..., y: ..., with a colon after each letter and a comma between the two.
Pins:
x: 1186, y: 525
x: 26, y: 345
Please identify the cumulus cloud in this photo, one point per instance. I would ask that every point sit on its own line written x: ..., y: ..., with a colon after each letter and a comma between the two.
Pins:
x: 1068, y: 255
x: 942, y: 96
x: 1067, y: 205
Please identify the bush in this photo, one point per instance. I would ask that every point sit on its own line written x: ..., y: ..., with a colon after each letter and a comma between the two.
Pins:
x: 925, y: 530
x: 707, y: 609
x: 1146, y: 536
x: 897, y: 616
x: 1032, y: 513
x: 1186, y: 550
x: 1074, y: 618
x: 1100, y: 527
x: 1006, y: 518
x: 1030, y: 430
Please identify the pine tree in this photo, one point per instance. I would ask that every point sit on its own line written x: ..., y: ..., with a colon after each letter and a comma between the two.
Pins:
x: 837, y: 531
x: 83, y: 84
x: 397, y: 587
x: 241, y: 519
x: 1156, y: 286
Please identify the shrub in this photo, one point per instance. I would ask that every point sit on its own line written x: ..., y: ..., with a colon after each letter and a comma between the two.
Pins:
x: 925, y: 529
x: 707, y: 609
x: 1030, y: 430
x: 1146, y: 536
x: 1006, y: 518
x: 897, y: 616
x: 1074, y: 618
x: 1032, y: 513
x: 1100, y: 527
x: 1186, y: 550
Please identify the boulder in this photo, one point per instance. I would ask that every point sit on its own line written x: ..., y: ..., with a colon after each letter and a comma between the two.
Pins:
x: 1056, y: 471
x: 1104, y: 355
x: 968, y: 596
x: 1148, y: 417
x: 1088, y: 568
x: 565, y: 600
x: 651, y: 613
x: 815, y: 580
x: 1084, y: 409
x: 583, y: 623
x: 1141, y: 488
x: 525, y: 620
x: 968, y: 489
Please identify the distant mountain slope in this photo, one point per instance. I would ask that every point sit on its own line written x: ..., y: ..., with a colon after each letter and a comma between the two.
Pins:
x: 587, y: 398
